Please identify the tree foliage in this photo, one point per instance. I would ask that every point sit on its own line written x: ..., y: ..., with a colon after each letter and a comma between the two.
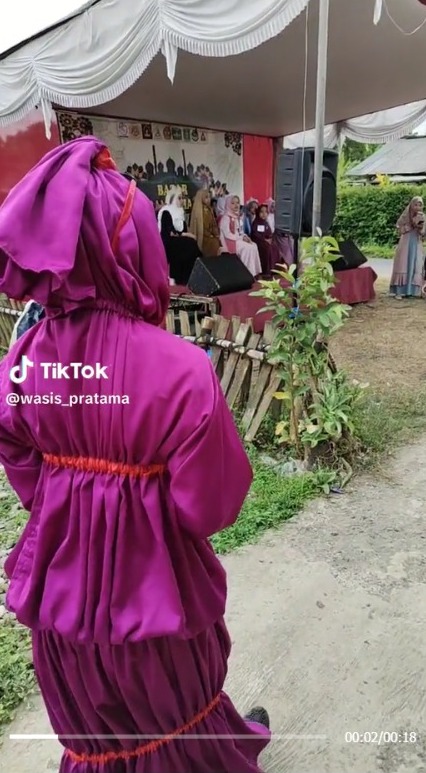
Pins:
x: 368, y: 214
x: 355, y: 152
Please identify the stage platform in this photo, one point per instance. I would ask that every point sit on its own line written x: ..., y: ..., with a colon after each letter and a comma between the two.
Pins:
x: 356, y: 285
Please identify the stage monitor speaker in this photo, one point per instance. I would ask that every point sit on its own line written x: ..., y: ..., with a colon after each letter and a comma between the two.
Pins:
x: 351, y: 256
x: 219, y: 276
x: 294, y: 191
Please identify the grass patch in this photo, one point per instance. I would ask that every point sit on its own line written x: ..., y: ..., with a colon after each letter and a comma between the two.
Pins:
x: 12, y: 517
x: 272, y: 500
x: 385, y: 421
x: 377, y: 251
x: 17, y: 678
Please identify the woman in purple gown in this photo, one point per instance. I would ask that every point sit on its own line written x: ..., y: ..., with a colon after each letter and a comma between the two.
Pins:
x: 125, y: 476
x: 272, y: 252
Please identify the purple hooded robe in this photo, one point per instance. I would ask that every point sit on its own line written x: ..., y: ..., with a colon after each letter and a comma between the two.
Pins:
x: 114, y: 573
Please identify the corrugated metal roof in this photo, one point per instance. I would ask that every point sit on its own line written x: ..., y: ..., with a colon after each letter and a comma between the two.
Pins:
x: 403, y: 157
x: 407, y: 178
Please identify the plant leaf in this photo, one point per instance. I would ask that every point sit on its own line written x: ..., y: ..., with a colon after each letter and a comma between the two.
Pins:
x: 282, y: 396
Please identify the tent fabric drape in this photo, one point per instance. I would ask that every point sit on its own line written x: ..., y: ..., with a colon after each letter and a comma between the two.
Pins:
x: 307, y: 139
x: 117, y: 39
x: 386, y: 125
x: 380, y: 127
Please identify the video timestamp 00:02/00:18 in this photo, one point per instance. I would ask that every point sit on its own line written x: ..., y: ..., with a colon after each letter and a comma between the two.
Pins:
x: 382, y: 737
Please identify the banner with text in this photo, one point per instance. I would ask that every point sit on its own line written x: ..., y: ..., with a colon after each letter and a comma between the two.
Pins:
x: 160, y: 155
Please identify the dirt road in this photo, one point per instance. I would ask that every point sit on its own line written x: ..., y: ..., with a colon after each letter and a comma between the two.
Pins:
x: 329, y: 621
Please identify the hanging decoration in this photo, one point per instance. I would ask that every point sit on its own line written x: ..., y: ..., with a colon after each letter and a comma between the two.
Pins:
x: 378, y: 8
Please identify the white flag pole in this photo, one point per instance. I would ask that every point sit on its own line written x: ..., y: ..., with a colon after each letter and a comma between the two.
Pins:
x: 320, y: 112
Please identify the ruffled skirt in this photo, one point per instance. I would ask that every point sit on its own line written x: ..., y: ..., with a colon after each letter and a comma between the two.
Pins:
x: 155, y: 706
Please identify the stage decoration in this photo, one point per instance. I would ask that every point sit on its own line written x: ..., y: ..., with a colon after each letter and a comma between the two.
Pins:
x: 233, y: 140
x: 383, y: 126
x: 120, y: 38
x: 381, y: 5
x: 73, y: 126
x: 159, y: 156
x: 378, y: 8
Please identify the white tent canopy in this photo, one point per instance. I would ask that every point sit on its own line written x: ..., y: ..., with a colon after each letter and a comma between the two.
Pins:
x: 96, y: 58
x: 384, y: 126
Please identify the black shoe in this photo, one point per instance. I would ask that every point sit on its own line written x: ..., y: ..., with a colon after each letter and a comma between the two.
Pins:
x: 259, y: 715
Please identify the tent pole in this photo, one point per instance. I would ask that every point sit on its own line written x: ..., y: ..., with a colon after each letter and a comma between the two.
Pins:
x: 320, y: 111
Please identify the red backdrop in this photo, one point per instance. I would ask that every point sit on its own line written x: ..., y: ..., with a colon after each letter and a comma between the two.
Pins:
x: 258, y: 167
x: 22, y: 145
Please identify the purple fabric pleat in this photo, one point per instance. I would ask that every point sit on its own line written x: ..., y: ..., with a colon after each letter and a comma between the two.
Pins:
x: 163, y: 683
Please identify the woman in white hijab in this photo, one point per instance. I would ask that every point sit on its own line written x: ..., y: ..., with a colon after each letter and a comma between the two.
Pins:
x: 220, y: 207
x: 181, y: 246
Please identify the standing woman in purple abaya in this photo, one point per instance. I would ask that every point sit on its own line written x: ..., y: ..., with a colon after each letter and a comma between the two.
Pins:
x: 125, y: 476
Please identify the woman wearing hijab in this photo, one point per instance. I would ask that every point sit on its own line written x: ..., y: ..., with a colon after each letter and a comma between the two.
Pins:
x: 181, y: 247
x: 407, y: 271
x: 270, y: 203
x: 125, y: 477
x: 203, y: 224
x: 249, y: 215
x: 234, y: 240
x: 220, y: 208
x: 262, y: 236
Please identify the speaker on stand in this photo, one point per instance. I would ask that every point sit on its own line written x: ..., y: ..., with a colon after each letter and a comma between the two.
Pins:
x: 294, y: 194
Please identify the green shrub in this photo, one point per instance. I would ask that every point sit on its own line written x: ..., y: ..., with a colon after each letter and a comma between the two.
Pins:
x: 368, y: 214
x: 317, y: 418
x: 377, y: 250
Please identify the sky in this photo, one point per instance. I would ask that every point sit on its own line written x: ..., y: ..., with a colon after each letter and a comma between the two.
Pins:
x: 420, y: 129
x: 25, y: 18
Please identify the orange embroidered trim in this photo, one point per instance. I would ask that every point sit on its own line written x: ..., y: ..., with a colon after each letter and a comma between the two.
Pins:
x: 90, y: 464
x: 127, y: 211
x: 147, y: 748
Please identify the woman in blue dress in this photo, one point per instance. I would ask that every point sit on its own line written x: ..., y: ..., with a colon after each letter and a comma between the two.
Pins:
x: 407, y: 271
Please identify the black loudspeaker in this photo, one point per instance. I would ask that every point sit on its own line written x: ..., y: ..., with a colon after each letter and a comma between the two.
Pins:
x: 220, y: 275
x: 294, y: 191
x: 351, y: 256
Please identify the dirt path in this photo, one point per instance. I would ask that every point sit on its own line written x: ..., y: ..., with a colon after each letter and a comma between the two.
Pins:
x: 366, y: 345
x: 329, y: 621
